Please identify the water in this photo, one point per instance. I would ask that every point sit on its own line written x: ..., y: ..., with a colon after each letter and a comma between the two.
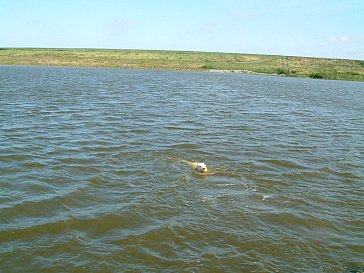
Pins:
x: 91, y: 180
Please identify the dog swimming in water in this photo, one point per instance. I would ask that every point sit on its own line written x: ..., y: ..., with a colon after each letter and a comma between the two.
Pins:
x: 198, y: 166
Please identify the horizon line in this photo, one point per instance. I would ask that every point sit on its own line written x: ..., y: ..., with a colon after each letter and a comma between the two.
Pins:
x: 177, y: 50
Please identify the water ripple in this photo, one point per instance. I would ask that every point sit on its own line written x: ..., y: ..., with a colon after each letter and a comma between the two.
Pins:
x: 92, y: 180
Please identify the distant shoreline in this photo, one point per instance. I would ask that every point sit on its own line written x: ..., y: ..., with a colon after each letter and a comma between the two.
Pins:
x: 214, y: 62
x: 240, y: 71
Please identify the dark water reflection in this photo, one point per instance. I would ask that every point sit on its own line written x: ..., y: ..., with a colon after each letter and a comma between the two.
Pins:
x: 90, y: 179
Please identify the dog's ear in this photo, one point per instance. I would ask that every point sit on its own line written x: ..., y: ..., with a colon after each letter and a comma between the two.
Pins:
x: 194, y: 165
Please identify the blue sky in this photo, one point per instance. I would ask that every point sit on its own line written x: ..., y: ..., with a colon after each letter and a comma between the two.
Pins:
x: 321, y: 28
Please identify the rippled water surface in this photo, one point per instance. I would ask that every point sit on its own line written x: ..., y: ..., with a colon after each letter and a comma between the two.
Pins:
x: 91, y: 178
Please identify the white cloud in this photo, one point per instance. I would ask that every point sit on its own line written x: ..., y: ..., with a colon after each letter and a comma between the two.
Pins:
x: 339, y: 39
x: 120, y: 25
x: 245, y: 14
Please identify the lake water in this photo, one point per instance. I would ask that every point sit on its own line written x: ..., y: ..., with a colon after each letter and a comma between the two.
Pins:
x: 91, y: 178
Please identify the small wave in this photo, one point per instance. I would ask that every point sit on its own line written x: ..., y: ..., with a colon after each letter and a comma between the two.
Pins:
x: 138, y: 131
x: 283, y: 163
x: 15, y: 157
x: 178, y: 128
x: 184, y: 146
x: 330, y: 170
x: 40, y: 205
x: 34, y: 165
x: 225, y: 185
x: 307, y: 174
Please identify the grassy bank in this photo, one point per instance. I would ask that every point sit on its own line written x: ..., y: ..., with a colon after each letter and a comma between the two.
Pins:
x: 319, y: 68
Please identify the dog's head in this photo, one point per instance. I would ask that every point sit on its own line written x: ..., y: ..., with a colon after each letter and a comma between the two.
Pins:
x: 201, y: 167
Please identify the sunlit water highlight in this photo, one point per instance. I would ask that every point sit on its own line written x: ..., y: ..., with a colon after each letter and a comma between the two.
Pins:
x: 91, y: 180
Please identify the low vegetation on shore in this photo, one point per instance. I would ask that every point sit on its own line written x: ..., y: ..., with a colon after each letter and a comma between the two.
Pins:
x: 317, y: 68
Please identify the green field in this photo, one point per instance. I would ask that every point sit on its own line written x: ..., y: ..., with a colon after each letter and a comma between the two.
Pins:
x: 319, y: 68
